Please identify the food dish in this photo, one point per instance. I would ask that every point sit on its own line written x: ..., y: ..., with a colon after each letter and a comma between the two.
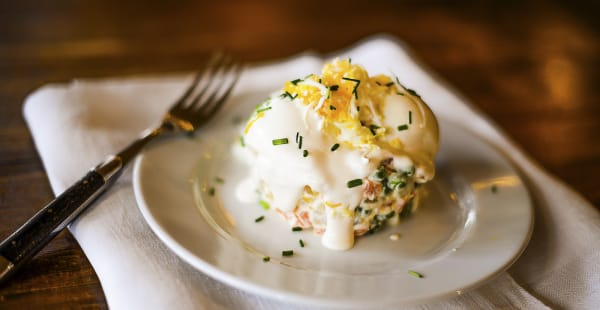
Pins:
x: 364, y: 146
x: 475, y: 222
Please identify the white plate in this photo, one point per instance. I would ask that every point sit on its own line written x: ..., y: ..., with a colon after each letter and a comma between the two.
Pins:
x: 474, y: 223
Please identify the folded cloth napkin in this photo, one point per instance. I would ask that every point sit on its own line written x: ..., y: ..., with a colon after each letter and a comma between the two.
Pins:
x: 75, y: 126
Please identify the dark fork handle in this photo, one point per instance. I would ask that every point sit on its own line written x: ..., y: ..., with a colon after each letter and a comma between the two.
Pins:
x: 32, y: 236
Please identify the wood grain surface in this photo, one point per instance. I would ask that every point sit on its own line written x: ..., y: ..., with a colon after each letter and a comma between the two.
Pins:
x: 533, y: 67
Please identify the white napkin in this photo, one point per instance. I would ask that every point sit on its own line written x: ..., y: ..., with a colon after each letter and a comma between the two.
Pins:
x: 75, y: 126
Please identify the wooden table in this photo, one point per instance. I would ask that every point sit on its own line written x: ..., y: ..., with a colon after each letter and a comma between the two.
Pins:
x: 534, y: 68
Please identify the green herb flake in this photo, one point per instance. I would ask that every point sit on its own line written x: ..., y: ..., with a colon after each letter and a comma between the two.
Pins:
x: 266, y: 259
x: 399, y: 93
x: 389, y: 84
x: 304, y: 153
x: 415, y: 274
x: 357, y: 83
x: 335, y: 147
x: 211, y: 191
x: 331, y: 107
x: 334, y: 87
x: 402, y: 127
x: 301, y: 243
x: 242, y: 142
x: 287, y: 252
x: 354, y: 183
x: 296, y: 228
x: 265, y: 205
x: 412, y: 92
x: 300, y: 142
x: 263, y: 109
x: 287, y: 94
x: 260, y: 218
x: 296, y: 81
x: 297, y: 135
x: 280, y: 141
x: 373, y: 129
x: 410, y: 117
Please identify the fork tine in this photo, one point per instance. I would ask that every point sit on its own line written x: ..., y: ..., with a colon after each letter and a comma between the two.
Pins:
x: 215, y: 58
x: 214, y: 104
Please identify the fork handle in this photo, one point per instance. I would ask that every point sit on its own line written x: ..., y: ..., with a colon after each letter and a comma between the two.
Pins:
x: 32, y: 236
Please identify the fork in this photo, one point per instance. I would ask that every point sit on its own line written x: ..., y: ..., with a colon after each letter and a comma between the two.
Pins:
x: 199, y: 103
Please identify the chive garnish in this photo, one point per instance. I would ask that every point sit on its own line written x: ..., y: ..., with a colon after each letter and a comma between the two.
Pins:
x: 296, y: 81
x: 296, y: 228
x: 211, y: 191
x: 265, y: 205
x: 354, y: 183
x: 242, y: 142
x: 389, y: 84
x: 301, y: 243
x: 335, y: 147
x: 287, y: 94
x: 280, y: 141
x: 300, y: 142
x: 415, y: 274
x: 373, y: 129
x: 297, y: 135
x: 410, y: 117
x: 266, y: 259
x: 402, y: 127
x: 305, y: 153
x: 331, y: 107
x: 412, y: 92
x: 350, y: 60
x: 263, y: 109
x: 334, y: 87
x: 354, y: 91
x: 377, y: 82
x: 287, y: 252
x: 399, y: 93
x: 260, y: 218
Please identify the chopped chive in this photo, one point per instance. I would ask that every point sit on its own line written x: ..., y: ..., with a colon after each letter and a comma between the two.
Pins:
x: 242, y: 142
x: 415, y: 274
x: 265, y: 205
x: 494, y: 188
x: 412, y: 92
x: 301, y: 243
x: 331, y: 107
x: 357, y: 109
x: 349, y: 60
x: 300, y: 143
x: 354, y: 183
x: 335, y: 147
x: 266, y: 259
x: 260, y: 218
x: 389, y: 84
x: 410, y: 117
x: 287, y: 94
x: 287, y: 252
x: 219, y: 180
x: 263, y: 109
x: 373, y: 129
x: 211, y: 191
x: 399, y: 93
x: 297, y: 135
x: 296, y: 81
x: 296, y: 228
x: 354, y: 91
x: 305, y: 153
x: 402, y: 127
x: 280, y: 141
x: 377, y: 82
x: 319, y: 81
x: 334, y: 87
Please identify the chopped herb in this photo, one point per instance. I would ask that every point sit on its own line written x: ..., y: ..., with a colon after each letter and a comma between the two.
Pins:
x: 211, y: 191
x: 300, y: 142
x: 280, y: 141
x: 260, y: 218
x: 297, y: 135
x: 265, y: 205
x: 399, y: 93
x: 334, y: 87
x: 287, y: 94
x: 242, y: 142
x: 389, y: 84
x: 263, y: 109
x: 266, y: 259
x: 402, y: 127
x: 301, y: 243
x: 410, y: 117
x: 412, y: 92
x: 319, y: 81
x: 494, y: 188
x: 349, y: 60
x: 377, y: 82
x: 335, y: 147
x: 331, y: 107
x: 219, y: 180
x: 296, y: 81
x: 354, y: 91
x: 415, y: 274
x: 305, y: 153
x: 296, y: 228
x: 354, y: 183
x: 287, y: 252
x: 390, y: 215
x: 357, y: 108
x: 373, y: 129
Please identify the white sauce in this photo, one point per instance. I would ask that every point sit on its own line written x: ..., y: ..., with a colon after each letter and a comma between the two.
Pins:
x: 285, y: 171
